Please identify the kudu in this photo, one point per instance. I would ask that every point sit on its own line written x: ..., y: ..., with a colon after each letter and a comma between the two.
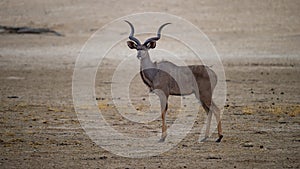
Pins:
x: 165, y: 78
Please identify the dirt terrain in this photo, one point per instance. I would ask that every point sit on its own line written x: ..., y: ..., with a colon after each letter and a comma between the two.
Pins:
x: 258, y: 42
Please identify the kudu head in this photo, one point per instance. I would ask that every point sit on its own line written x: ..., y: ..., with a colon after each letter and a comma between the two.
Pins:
x: 150, y: 43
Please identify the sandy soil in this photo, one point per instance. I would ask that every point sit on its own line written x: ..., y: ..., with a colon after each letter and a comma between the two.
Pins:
x: 259, y: 45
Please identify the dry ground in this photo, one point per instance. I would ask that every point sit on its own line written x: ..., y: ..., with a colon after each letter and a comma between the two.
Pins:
x: 259, y: 45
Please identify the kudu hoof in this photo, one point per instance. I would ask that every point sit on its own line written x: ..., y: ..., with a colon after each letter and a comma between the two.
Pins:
x: 219, y: 139
x: 204, y: 139
x: 162, y: 139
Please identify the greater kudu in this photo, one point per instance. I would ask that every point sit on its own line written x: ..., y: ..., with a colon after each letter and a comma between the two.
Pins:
x: 165, y: 78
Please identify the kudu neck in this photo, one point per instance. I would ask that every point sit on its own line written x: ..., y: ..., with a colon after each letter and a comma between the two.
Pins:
x: 146, y: 62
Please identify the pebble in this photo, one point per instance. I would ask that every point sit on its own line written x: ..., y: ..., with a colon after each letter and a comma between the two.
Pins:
x: 12, y: 97
x: 213, y: 158
x: 282, y: 120
x: 247, y: 144
x: 103, y: 157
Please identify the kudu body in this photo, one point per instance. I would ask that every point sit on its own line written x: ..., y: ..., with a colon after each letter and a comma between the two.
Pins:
x: 165, y: 78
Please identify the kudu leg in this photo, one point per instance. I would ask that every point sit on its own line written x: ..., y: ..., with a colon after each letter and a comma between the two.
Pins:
x: 217, y: 114
x: 211, y: 108
x: 208, y: 122
x: 164, y: 126
x: 205, y: 104
x: 164, y: 107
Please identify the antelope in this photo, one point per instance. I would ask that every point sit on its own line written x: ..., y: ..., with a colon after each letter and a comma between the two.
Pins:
x: 165, y: 78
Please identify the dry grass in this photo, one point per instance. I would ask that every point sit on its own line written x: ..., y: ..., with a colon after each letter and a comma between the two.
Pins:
x: 278, y: 110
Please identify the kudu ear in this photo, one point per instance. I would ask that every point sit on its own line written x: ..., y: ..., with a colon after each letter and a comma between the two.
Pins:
x: 151, y: 45
x: 131, y: 45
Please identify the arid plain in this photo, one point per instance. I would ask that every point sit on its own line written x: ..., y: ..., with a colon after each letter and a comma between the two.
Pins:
x: 258, y: 42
